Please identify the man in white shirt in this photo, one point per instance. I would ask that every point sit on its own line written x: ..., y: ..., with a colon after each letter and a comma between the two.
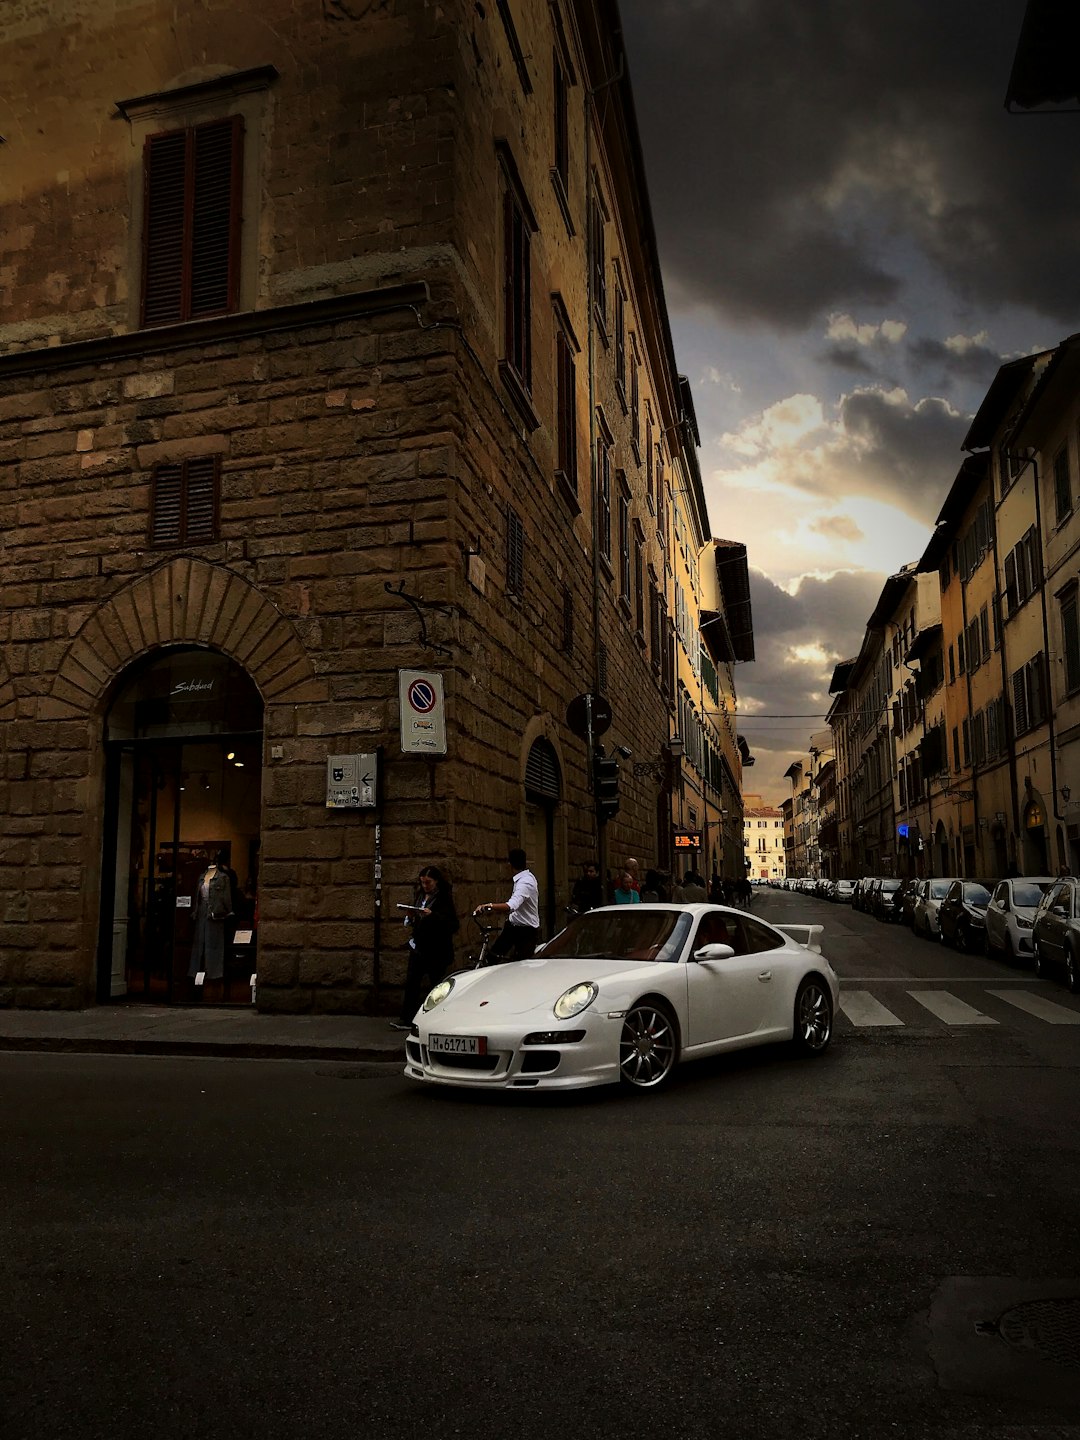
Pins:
x: 521, y: 932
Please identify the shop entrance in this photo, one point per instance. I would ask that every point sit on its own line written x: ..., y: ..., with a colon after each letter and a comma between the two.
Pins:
x: 183, y: 780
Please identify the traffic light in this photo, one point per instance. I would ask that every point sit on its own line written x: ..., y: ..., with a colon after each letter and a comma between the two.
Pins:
x: 606, y: 784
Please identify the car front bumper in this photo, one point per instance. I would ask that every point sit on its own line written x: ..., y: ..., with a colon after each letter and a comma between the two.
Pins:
x: 510, y: 1064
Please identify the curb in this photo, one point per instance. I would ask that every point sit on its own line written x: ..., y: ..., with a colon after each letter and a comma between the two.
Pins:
x: 224, y: 1049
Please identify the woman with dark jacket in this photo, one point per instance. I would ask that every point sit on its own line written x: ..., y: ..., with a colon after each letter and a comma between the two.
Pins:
x: 434, y: 923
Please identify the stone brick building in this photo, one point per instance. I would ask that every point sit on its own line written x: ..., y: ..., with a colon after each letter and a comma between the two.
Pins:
x: 332, y: 346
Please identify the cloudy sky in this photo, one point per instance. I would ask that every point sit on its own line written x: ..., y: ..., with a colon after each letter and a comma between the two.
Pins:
x: 854, y: 235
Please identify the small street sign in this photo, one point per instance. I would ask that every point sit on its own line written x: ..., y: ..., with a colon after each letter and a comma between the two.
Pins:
x: 351, y: 781
x: 577, y: 717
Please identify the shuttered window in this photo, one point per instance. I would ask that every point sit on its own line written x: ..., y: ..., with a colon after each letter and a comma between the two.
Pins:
x: 515, y: 553
x: 191, y: 222
x: 184, y: 502
x: 517, y: 287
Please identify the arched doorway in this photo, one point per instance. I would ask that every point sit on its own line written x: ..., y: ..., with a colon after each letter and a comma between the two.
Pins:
x: 183, y: 748
x: 1036, y: 856
x: 543, y: 791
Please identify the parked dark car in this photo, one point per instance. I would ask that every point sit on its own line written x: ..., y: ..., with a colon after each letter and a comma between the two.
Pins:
x: 864, y: 894
x: 962, y: 914
x: 909, y: 893
x: 1056, y: 933
x: 887, y: 899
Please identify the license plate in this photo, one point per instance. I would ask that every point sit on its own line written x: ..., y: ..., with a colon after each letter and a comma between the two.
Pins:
x: 458, y: 1044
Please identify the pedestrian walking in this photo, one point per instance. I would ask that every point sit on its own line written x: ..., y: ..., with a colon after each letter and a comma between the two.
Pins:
x: 692, y: 890
x: 433, y: 921
x: 653, y: 888
x: 588, y: 891
x: 521, y: 933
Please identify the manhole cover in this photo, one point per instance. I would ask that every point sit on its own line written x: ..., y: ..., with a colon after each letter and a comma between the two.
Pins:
x: 1048, y: 1328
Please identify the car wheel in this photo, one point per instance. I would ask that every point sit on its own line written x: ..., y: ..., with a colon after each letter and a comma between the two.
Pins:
x: 813, y: 1016
x: 1038, y: 964
x: 1072, y: 971
x: 960, y: 938
x: 646, y: 1047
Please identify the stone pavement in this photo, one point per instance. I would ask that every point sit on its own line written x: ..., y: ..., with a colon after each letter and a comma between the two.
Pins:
x: 182, y: 1030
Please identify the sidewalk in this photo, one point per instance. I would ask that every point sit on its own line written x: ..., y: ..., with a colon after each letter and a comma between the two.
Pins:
x: 180, y: 1030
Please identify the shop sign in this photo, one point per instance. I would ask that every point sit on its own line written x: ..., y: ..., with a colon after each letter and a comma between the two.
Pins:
x: 688, y: 840
x: 422, y: 710
x: 350, y: 781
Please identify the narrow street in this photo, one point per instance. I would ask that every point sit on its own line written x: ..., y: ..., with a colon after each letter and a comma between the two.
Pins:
x: 199, y: 1248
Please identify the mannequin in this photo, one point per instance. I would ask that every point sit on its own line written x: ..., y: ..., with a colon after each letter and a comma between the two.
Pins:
x: 214, y: 902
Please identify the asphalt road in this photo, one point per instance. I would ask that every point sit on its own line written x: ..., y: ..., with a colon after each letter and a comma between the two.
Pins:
x: 773, y: 1246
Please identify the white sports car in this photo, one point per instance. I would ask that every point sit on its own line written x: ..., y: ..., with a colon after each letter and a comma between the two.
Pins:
x: 620, y: 995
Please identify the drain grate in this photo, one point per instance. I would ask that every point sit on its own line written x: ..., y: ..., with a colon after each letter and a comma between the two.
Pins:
x: 1047, y: 1328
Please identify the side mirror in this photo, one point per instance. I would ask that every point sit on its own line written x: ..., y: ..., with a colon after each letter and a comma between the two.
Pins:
x: 713, y: 952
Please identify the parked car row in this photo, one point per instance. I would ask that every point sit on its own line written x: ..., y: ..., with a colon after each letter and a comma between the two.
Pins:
x: 1026, y: 920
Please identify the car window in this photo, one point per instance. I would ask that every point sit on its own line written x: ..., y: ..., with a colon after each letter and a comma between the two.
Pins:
x: 976, y: 894
x: 1059, y: 900
x: 956, y: 889
x: 939, y: 889
x: 760, y: 937
x: 1029, y: 892
x: 635, y: 932
x: 1001, y: 895
x: 713, y: 930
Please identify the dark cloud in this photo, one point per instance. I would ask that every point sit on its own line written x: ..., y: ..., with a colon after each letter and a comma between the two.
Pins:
x: 950, y: 368
x: 908, y: 454
x: 797, y: 153
x: 852, y: 358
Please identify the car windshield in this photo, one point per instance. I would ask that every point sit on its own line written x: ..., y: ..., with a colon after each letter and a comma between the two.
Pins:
x: 634, y: 932
x: 1029, y: 892
x: 977, y: 895
x: 939, y: 889
x: 888, y: 886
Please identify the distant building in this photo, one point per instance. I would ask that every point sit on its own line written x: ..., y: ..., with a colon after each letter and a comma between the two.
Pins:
x: 763, y: 840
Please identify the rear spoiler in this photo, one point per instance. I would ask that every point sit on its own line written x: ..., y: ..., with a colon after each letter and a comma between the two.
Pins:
x: 805, y: 935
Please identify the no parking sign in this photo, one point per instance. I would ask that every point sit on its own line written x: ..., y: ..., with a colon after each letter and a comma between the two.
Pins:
x: 423, y: 712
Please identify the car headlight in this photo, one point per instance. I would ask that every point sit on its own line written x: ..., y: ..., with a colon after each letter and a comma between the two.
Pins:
x: 438, y: 994
x: 571, y: 1002
x: 1022, y: 924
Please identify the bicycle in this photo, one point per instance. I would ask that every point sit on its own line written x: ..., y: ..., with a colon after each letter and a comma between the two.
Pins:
x: 488, y: 928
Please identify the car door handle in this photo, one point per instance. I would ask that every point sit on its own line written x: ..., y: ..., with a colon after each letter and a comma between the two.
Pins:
x: 765, y: 975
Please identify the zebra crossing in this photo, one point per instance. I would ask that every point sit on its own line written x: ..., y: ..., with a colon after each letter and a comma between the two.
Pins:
x: 917, y: 1005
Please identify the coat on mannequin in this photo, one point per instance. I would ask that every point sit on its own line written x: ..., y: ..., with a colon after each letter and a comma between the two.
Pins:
x: 213, y: 904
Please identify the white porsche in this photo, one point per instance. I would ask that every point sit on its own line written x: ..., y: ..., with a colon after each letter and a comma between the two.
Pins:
x: 622, y: 994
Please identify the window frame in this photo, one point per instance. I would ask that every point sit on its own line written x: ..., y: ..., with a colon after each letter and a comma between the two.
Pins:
x: 183, y: 468
x: 170, y: 261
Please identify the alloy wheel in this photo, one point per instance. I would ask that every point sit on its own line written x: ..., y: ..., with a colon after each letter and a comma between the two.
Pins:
x: 1038, y: 964
x: 813, y: 1017
x: 1072, y: 971
x: 646, y: 1047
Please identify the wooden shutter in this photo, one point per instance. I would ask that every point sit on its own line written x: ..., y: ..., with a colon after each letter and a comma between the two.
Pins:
x: 515, y: 553
x: 184, y: 502
x: 1020, y: 705
x: 165, y: 228
x: 200, y: 507
x: 215, y: 204
x: 191, y: 222
x: 1012, y: 593
x: 166, y: 505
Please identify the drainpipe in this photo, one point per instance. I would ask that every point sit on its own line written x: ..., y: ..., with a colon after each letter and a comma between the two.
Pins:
x: 590, y: 114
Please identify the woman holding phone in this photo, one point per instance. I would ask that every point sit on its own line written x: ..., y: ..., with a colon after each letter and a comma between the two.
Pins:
x: 433, y: 920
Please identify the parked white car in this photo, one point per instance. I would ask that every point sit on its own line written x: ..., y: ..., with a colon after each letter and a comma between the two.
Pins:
x: 931, y: 894
x: 622, y: 994
x: 1011, y: 915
